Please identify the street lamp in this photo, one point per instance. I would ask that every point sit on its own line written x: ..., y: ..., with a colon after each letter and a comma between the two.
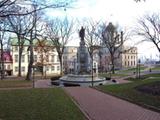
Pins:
x: 139, y: 70
x: 110, y: 69
x: 33, y: 81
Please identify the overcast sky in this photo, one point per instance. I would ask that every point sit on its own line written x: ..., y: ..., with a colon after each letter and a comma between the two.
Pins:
x: 122, y: 12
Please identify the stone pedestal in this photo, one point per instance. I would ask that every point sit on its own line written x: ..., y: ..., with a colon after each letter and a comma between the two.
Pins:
x: 83, y: 59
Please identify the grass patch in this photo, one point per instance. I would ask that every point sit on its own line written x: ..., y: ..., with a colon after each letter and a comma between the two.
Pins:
x: 15, y: 83
x: 112, y: 75
x: 128, y: 92
x: 38, y: 104
x: 156, y: 69
x: 152, y: 75
x: 143, y: 77
x: 132, y: 70
x: 152, y: 88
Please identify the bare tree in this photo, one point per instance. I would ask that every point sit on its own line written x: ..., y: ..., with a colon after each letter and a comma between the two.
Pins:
x: 139, y: 0
x: 6, y: 6
x: 113, y: 41
x: 149, y: 28
x: 31, y: 36
x: 2, y: 42
x: 20, y: 26
x: 92, y: 41
x: 59, y: 32
x: 43, y: 48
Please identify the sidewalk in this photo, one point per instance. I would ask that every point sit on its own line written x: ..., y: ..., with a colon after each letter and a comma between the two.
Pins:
x: 100, y: 106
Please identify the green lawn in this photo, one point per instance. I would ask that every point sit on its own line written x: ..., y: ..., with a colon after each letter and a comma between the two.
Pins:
x: 128, y: 92
x: 112, y: 75
x: 156, y: 68
x: 142, y: 77
x: 131, y: 70
x: 14, y: 83
x: 37, y: 104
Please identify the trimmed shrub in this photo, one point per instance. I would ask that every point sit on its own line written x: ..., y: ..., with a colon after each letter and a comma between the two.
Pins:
x: 55, y: 78
x: 108, y: 78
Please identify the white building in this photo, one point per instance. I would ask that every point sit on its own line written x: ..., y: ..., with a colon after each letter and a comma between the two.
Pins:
x: 70, y: 59
x: 130, y: 57
x: 51, y: 64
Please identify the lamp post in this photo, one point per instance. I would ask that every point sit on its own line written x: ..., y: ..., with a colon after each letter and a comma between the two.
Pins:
x: 139, y: 70
x: 92, y: 63
x: 110, y: 69
x: 33, y: 81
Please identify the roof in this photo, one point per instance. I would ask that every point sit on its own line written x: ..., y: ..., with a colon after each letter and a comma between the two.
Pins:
x: 14, y: 42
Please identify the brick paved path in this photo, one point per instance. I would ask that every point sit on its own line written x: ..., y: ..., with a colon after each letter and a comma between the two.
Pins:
x: 43, y: 84
x: 100, y: 106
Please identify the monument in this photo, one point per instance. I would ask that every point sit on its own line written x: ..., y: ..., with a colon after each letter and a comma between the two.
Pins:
x: 82, y: 55
x: 83, y: 76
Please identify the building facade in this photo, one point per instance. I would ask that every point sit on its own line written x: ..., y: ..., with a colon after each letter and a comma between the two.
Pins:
x: 46, y: 62
x: 7, y: 60
x: 130, y: 58
x: 70, y: 59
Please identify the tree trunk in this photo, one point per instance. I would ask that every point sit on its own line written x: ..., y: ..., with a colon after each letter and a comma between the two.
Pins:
x: 112, y: 62
x: 61, y: 67
x: 2, y: 62
x: 20, y: 55
x: 113, y: 71
x: 30, y: 65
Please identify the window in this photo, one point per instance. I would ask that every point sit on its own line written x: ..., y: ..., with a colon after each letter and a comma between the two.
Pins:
x: 58, y: 68
x: 47, y: 58
x: 9, y: 67
x: 47, y: 68
x: 128, y: 63
x: 23, y: 69
x: 16, y: 58
x: 16, y: 48
x: 128, y: 57
x: 52, y: 58
x: 57, y: 58
x: 94, y: 65
x: 28, y: 58
x: 53, y: 50
x: 52, y: 68
x: 23, y: 58
x: 35, y: 58
x: 125, y: 63
x: 16, y: 69
x: 5, y: 67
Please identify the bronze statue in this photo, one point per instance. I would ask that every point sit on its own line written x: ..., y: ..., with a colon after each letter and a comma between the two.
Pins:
x: 82, y: 33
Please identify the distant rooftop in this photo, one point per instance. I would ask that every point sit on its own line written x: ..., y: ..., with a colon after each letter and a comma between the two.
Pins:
x: 14, y: 41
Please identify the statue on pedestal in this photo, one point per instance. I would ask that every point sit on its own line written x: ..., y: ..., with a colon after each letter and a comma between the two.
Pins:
x: 82, y: 33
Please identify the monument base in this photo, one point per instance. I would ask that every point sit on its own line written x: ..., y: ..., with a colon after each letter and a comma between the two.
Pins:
x: 81, y: 80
